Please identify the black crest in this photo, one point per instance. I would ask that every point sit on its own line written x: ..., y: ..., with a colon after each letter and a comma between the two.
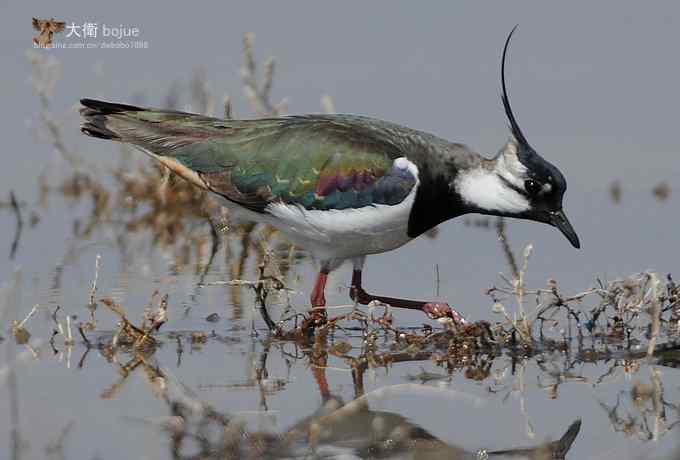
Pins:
x: 514, y: 127
x: 537, y: 166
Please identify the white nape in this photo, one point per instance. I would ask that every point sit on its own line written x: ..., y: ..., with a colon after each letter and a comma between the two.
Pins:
x: 508, y: 165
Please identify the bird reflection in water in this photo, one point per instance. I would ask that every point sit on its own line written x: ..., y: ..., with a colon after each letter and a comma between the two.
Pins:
x: 199, y: 431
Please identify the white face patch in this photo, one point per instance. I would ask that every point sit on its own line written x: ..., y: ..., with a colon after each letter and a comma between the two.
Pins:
x: 484, y: 189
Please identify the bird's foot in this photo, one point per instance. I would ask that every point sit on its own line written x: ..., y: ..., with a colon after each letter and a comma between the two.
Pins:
x: 360, y: 296
x: 318, y: 315
x: 443, y: 312
x: 440, y: 311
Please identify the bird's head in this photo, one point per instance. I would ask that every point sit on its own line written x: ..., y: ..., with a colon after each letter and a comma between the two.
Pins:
x: 518, y: 182
x: 530, y: 187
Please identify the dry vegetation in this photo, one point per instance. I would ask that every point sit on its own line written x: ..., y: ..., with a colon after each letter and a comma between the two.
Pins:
x: 483, y: 352
x: 624, y: 323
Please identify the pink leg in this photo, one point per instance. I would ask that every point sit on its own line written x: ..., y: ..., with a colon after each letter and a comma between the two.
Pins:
x: 318, y: 299
x: 319, y: 372
x: 434, y: 310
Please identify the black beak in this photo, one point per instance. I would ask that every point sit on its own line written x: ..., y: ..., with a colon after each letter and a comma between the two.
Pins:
x: 559, y: 220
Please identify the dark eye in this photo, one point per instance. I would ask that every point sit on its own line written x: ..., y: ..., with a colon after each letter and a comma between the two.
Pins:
x: 532, y: 187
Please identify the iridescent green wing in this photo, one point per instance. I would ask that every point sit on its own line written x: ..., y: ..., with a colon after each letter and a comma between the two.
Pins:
x: 320, y: 163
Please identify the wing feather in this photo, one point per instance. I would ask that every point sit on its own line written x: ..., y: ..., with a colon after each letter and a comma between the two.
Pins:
x: 314, y: 161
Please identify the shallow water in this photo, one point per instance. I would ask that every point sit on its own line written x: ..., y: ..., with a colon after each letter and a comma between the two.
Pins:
x: 83, y: 401
x: 117, y: 403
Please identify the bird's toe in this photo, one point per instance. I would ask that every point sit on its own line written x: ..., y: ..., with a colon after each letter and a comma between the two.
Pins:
x: 443, y: 311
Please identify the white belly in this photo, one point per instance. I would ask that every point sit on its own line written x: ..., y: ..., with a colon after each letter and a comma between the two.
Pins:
x: 338, y: 234
x: 345, y: 233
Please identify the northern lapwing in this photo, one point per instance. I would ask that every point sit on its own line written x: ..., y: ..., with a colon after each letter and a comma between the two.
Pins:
x: 343, y: 186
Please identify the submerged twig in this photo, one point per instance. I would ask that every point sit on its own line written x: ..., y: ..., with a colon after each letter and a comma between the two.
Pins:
x: 13, y: 390
x: 19, y: 225
x: 93, y: 288
x: 507, y: 250
x: 138, y: 337
x: 654, y: 312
